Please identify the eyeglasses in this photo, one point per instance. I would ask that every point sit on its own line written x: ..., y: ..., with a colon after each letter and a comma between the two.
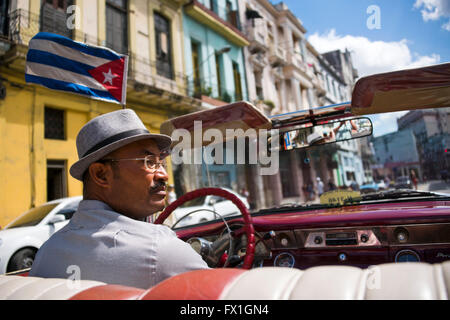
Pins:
x: 152, y: 163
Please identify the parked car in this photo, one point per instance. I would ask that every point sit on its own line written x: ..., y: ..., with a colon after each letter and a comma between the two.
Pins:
x: 403, y: 182
x: 369, y: 187
x: 21, y: 239
x: 382, y: 185
x: 206, y: 209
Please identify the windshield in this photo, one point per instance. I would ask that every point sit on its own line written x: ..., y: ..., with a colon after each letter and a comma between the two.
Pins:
x: 33, y: 216
x: 407, y: 150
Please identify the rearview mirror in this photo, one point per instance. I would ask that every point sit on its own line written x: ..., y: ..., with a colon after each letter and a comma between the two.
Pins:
x: 323, y: 133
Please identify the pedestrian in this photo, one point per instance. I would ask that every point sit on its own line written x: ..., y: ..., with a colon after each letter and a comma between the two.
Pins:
x: 414, y: 179
x: 354, y: 185
x: 310, y: 191
x: 331, y: 185
x: 244, y: 193
x: 319, y: 186
x: 122, y: 167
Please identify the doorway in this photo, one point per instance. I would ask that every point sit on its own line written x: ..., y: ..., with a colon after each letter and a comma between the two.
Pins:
x: 56, y: 179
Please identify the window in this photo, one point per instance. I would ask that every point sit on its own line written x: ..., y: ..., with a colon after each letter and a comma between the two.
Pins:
x: 4, y: 18
x: 196, y: 68
x: 219, y: 62
x: 117, y: 25
x: 53, y: 17
x: 237, y: 82
x: 54, y: 124
x: 258, y: 85
x: 163, y: 46
x: 56, y: 179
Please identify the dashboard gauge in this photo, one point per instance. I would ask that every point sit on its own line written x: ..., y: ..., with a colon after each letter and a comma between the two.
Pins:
x: 407, y: 256
x: 285, y: 260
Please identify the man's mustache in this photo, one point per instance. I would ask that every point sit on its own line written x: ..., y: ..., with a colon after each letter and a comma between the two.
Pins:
x: 158, y: 186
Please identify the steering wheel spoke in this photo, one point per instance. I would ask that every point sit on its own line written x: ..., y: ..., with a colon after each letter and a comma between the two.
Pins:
x: 247, y: 229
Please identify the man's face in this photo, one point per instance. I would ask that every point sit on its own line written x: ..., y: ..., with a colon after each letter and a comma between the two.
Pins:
x: 136, y: 191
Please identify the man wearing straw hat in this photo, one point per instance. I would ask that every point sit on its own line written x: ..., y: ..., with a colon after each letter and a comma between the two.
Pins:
x: 121, y: 165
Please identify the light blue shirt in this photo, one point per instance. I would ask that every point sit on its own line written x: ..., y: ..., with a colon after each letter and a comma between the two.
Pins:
x: 106, y: 246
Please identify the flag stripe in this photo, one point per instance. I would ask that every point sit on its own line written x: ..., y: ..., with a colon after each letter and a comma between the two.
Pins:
x: 37, y: 69
x: 70, y: 87
x: 54, y: 60
x: 100, y: 52
x: 66, y: 52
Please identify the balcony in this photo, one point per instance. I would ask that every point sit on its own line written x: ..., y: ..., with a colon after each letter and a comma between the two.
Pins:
x: 144, y: 83
x: 257, y: 40
x: 278, y: 73
x: 277, y: 56
x: 295, y: 60
x: 204, y: 91
x: 319, y: 85
x: 226, y: 23
x: 258, y: 60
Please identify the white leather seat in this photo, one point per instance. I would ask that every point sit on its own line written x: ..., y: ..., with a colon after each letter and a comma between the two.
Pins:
x: 396, y: 281
x: 30, y: 288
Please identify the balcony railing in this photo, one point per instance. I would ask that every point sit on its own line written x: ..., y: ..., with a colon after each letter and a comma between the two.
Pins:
x: 226, y: 14
x: 144, y: 71
x: 224, y: 21
x: 296, y: 60
x: 22, y: 26
x: 199, y: 88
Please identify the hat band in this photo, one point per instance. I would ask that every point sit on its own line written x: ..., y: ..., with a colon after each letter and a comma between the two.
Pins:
x: 115, y: 138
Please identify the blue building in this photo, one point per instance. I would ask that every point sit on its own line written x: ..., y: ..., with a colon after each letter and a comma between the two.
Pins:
x: 214, y: 60
x: 215, y: 67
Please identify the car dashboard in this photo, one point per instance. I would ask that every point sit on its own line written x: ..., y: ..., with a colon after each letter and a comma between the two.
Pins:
x: 414, y: 232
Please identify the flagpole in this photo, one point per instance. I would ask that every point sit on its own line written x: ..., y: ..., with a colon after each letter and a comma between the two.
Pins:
x: 125, y: 82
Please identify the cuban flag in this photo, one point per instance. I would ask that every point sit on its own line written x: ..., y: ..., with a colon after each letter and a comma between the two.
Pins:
x: 59, y: 63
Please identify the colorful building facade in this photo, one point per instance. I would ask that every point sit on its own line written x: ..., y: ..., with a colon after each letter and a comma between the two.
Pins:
x: 39, y: 126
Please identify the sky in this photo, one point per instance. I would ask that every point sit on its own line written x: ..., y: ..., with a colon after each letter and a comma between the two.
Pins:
x: 382, y: 35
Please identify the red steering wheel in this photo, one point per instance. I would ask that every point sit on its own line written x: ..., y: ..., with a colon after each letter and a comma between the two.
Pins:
x: 248, y: 225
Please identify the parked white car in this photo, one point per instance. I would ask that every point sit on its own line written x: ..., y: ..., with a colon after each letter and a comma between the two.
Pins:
x: 21, y: 239
x: 382, y: 185
x: 206, y: 209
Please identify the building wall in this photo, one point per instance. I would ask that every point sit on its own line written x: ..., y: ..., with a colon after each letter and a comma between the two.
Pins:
x: 209, y: 42
x: 396, y: 147
x: 25, y: 152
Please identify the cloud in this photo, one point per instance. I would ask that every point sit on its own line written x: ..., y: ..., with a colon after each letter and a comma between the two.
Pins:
x: 434, y: 10
x: 370, y: 57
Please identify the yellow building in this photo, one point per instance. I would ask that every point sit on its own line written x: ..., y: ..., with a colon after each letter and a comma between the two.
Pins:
x: 38, y: 127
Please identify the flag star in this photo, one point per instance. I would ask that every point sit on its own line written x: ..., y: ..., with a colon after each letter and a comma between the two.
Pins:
x: 109, y: 77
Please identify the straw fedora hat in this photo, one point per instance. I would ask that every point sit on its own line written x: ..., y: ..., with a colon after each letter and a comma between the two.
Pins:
x: 109, y: 132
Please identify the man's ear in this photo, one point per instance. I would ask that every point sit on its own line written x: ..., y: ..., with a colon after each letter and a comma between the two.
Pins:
x: 101, y: 174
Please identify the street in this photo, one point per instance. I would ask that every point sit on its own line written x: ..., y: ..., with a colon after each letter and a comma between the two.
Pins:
x: 435, y: 186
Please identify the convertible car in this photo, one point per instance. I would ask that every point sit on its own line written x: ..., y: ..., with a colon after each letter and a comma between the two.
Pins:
x: 341, y: 245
